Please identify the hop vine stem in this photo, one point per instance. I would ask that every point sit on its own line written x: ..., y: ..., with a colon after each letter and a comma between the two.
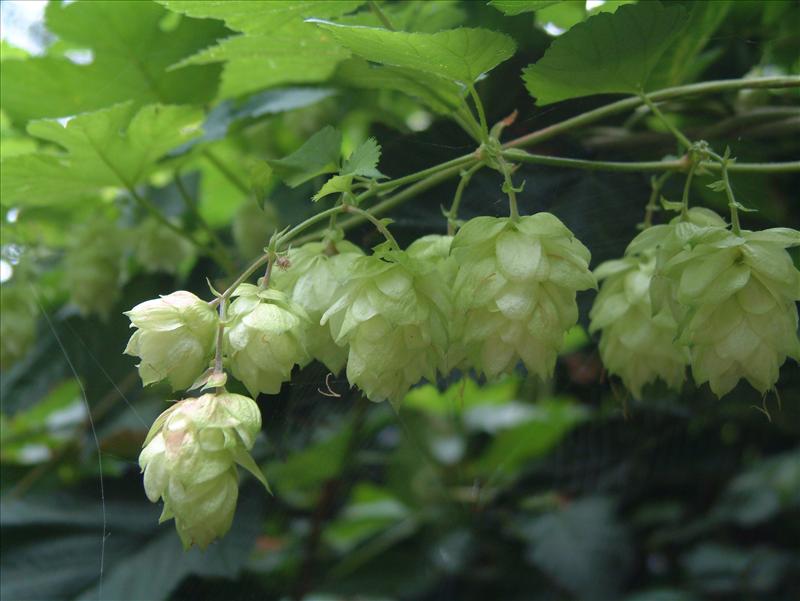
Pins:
x: 425, y: 179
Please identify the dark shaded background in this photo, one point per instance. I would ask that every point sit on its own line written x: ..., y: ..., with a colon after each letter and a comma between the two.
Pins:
x: 519, y: 490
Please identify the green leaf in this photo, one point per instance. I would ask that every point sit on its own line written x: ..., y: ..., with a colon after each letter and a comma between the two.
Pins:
x: 320, y: 154
x: 439, y: 94
x: 530, y: 439
x: 335, y: 185
x: 116, y: 147
x: 609, y: 53
x: 583, y: 547
x: 461, y: 55
x: 130, y: 55
x: 682, y: 59
x: 276, y: 46
x: 517, y: 7
x: 364, y: 160
x: 260, y: 181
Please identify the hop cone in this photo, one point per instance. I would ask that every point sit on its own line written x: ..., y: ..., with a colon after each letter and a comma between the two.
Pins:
x: 158, y: 248
x: 514, y: 293
x: 736, y: 298
x: 189, y: 460
x: 175, y: 338
x: 92, y: 269
x: 635, y: 344
x: 18, y: 323
x: 435, y: 249
x: 393, y: 314
x: 313, y: 281
x: 265, y: 339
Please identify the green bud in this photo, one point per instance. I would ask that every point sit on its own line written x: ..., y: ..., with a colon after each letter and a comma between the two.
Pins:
x: 174, y: 340
x: 18, y: 325
x: 636, y: 344
x: 265, y: 339
x: 92, y: 268
x: 158, y: 248
x: 514, y: 293
x: 393, y: 315
x: 313, y: 280
x: 189, y: 460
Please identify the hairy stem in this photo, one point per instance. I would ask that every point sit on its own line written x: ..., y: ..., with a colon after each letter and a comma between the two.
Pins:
x: 452, y: 214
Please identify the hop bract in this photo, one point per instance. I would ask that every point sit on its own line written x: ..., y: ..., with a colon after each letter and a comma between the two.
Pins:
x: 313, y: 280
x: 435, y: 250
x: 175, y: 338
x: 158, y: 248
x: 92, y: 269
x: 393, y: 314
x: 635, y: 344
x: 265, y: 338
x: 189, y: 460
x: 514, y: 294
x: 737, y: 295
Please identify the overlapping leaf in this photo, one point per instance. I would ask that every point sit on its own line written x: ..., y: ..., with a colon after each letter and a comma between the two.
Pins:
x: 275, y: 47
x: 461, y: 55
x: 131, y: 52
x: 609, y: 53
x: 115, y: 147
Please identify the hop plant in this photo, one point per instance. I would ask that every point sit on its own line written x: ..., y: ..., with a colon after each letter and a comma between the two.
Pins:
x: 514, y: 293
x: 736, y: 296
x: 314, y: 280
x: 635, y: 344
x: 435, y: 249
x: 266, y: 338
x: 158, y: 248
x: 253, y: 226
x: 393, y: 315
x: 18, y: 324
x: 92, y: 268
x: 189, y: 460
x: 174, y: 339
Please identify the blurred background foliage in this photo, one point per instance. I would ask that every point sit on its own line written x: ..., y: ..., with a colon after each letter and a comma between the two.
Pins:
x: 519, y: 489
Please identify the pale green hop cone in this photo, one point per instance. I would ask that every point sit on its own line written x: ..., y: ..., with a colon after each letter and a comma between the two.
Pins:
x: 737, y: 295
x: 174, y: 339
x: 265, y: 338
x: 514, y: 294
x: 314, y: 280
x: 18, y: 323
x: 635, y: 344
x: 159, y: 249
x: 393, y: 315
x: 92, y: 268
x: 189, y: 460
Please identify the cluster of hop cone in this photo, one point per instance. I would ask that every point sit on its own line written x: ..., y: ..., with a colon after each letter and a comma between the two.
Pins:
x: 688, y: 293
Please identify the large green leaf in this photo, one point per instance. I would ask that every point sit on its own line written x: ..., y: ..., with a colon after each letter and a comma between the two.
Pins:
x: 131, y: 53
x: 683, y: 59
x: 116, y: 147
x: 276, y: 47
x: 609, y: 53
x: 517, y: 7
x: 461, y: 55
x: 441, y: 95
